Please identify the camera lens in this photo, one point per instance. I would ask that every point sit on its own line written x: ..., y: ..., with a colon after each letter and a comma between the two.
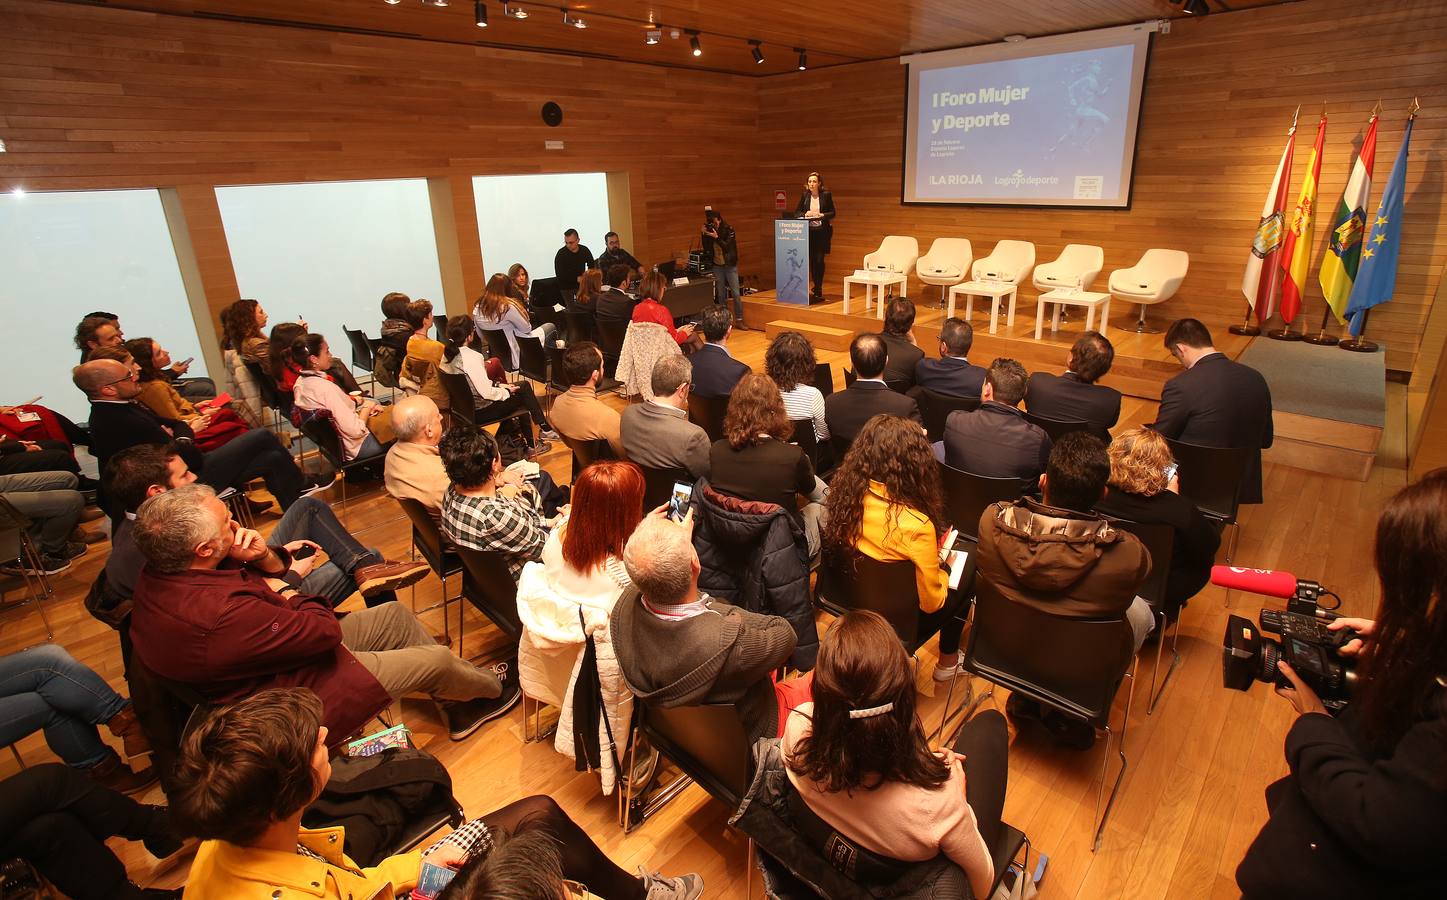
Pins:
x: 1270, y: 653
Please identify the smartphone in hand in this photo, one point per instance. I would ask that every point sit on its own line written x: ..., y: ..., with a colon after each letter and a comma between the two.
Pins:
x: 678, y: 502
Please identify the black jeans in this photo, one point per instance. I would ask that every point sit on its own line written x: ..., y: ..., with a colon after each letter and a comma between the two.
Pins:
x: 58, y: 819
x: 985, y: 744
x: 521, y: 399
x: 816, y: 266
x: 255, y: 454
x: 53, y: 456
x: 947, y: 619
x: 582, y: 860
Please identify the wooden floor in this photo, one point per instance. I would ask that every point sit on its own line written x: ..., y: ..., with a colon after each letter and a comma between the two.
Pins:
x: 1192, y: 797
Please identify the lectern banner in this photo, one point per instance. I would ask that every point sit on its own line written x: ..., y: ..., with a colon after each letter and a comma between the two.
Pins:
x: 791, y: 261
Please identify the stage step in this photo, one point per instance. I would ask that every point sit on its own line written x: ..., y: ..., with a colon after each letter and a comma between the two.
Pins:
x: 821, y: 336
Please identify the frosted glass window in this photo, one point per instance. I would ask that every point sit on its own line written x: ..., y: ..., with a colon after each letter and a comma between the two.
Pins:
x: 66, y: 254
x: 521, y: 218
x: 328, y: 252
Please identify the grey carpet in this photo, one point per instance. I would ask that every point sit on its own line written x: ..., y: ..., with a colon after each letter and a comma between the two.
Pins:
x: 1322, y: 382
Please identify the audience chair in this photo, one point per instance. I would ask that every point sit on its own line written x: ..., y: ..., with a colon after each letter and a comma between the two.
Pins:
x: 967, y: 496
x: 1074, y: 666
x: 706, y: 743
x: 658, y: 485
x: 585, y: 453
x: 1211, y: 478
x: 362, y: 356
x: 317, y: 425
x: 487, y: 584
x: 439, y: 327
x: 946, y: 264
x: 17, y: 547
x: 427, y: 540
x: 899, y: 386
x: 611, y: 334
x: 555, y: 370
x: 462, y: 406
x: 580, y: 326
x: 708, y: 413
x: 805, y: 439
x: 271, y: 394
x: 1154, y: 279
x: 1059, y: 428
x: 532, y: 361
x: 497, y: 345
x: 935, y: 408
x: 824, y: 378
x: 1159, y: 540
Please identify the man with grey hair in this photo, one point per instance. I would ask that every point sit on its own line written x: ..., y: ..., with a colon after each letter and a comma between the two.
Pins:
x: 413, y: 470
x: 995, y: 440
x: 657, y: 434
x: 218, y: 610
x: 679, y: 647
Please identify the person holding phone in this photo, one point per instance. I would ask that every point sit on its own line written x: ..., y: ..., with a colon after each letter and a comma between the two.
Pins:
x: 215, y: 426
x: 817, y: 206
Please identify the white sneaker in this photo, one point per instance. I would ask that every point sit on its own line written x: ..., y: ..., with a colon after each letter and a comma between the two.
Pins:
x: 947, y: 669
x: 683, y: 887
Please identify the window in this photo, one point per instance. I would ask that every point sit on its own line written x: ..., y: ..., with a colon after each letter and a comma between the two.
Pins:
x: 521, y: 218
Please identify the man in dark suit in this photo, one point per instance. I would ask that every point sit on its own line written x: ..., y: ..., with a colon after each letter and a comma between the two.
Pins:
x: 1216, y: 402
x: 846, y: 411
x: 995, y: 440
x: 1075, y: 396
x: 952, y: 373
x: 715, y: 371
x: 898, y: 337
x: 614, y: 304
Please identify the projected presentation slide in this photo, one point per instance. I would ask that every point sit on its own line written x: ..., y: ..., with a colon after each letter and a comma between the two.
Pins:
x: 1052, y: 129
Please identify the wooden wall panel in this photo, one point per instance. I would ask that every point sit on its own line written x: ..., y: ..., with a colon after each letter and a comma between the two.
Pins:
x: 1218, y: 100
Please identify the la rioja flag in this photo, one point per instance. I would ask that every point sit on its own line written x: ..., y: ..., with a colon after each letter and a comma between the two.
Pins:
x: 1339, y: 266
x: 1296, y: 251
x: 1262, y: 275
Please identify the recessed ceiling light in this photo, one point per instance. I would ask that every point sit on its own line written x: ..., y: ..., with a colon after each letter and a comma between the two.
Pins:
x: 1014, y: 38
x: 513, y: 11
x: 652, y: 36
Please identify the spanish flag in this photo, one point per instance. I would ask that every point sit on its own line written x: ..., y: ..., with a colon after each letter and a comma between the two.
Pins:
x: 1296, y: 251
x: 1344, y: 254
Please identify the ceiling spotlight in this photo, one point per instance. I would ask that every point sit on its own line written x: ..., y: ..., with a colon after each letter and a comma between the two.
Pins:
x: 757, y: 52
x: 393, y: 2
x: 479, y: 13
x: 693, y: 42
x: 513, y: 11
x: 575, y: 21
x: 652, y: 36
x: 803, y: 59
x: 1196, y: 8
x: 439, y: 3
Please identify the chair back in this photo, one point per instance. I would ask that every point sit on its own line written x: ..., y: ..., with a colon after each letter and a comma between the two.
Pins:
x: 849, y: 376
x: 805, y: 439
x: 708, y: 413
x: 427, y: 537
x: 1081, y: 262
x: 361, y: 349
x: 323, y: 433
x: 498, y: 346
x: 1009, y: 261
x: 935, y: 408
x: 579, y: 325
x: 545, y: 292
x: 270, y: 392
x: 439, y: 327
x: 947, y: 262
x: 855, y: 581
x: 460, y: 403
x: 532, y: 359
x: 1059, y: 428
x: 611, y: 334
x: 967, y: 496
x: 896, y: 253
x: 1159, y: 540
x: 487, y: 584
x: 707, y: 743
x: 555, y: 369
x: 1211, y: 477
x: 1074, y: 665
x: 824, y: 378
x: 658, y: 485
x: 585, y: 453
x: 1155, y: 278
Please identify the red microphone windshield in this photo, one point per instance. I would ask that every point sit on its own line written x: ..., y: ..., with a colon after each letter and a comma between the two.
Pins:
x: 1257, y: 581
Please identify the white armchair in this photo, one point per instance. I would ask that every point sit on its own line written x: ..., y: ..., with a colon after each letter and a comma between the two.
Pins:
x: 1010, y: 261
x: 896, y: 253
x: 1077, y: 266
x: 1154, y: 279
x: 946, y: 264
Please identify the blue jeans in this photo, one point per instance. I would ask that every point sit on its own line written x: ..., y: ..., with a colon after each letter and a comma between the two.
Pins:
x: 370, y: 447
x: 312, y: 520
x: 725, y: 279
x: 45, y: 687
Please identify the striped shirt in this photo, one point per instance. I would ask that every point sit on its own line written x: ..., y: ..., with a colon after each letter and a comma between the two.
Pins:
x: 805, y: 402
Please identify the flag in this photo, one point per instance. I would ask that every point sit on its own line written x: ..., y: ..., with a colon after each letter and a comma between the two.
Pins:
x: 1260, y: 280
x: 1295, y: 256
x: 1339, y: 266
x: 1377, y: 277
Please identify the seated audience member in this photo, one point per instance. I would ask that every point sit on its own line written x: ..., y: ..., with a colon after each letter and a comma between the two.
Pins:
x: 886, y: 502
x: 790, y: 363
x: 117, y: 422
x: 95, y: 332
x: 361, y: 423
x: 846, y: 411
x: 613, y: 304
x: 1366, y: 784
x: 498, y: 310
x: 476, y: 513
x: 241, y: 327
x: 1055, y: 555
x: 679, y: 647
x: 517, y: 274
x: 391, y: 348
x: 1075, y: 396
x: 278, y: 352
x: 572, y: 259
x: 214, y: 427
x: 44, y: 687
x: 753, y: 461
x: 193, y: 389
x: 217, y: 609
x: 952, y: 374
x: 615, y: 255
x: 898, y: 337
x: 657, y: 432
x: 59, y: 820
x: 859, y: 758
x: 715, y: 371
x: 1216, y: 402
x: 578, y: 416
x: 492, y: 399
x: 249, y: 771
x: 651, y: 309
x: 421, y: 344
x: 1144, y: 488
x: 414, y: 469
x: 35, y: 438
x: 53, y: 503
x: 243, y: 324
x: 590, y: 288
x: 995, y: 440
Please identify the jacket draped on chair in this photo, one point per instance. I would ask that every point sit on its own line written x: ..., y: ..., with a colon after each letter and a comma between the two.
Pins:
x: 643, y: 345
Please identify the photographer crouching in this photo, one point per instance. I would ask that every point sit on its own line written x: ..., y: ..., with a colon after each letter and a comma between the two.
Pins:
x: 1363, y: 811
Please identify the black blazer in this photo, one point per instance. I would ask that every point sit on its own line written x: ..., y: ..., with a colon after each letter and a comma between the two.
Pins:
x: 119, y: 426
x: 903, y: 357
x: 614, y: 305
x: 846, y: 411
x: 1193, y: 551
x: 995, y: 441
x: 822, y: 235
x: 950, y: 375
x: 1070, y: 399
x: 1220, y: 403
x: 715, y: 372
x: 770, y: 472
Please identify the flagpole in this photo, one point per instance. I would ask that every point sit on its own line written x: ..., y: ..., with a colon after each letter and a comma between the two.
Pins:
x: 1245, y: 328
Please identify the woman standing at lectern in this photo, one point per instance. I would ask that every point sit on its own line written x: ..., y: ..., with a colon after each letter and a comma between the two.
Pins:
x: 817, y: 205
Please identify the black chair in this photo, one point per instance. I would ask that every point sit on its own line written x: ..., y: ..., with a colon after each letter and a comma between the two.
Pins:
x: 555, y: 370
x: 1159, y: 541
x: 935, y: 408
x: 805, y: 439
x: 1059, y: 428
x: 585, y: 453
x: 1075, y: 666
x: 706, y: 743
x: 708, y: 413
x: 532, y: 359
x: 439, y: 326
x: 271, y: 393
x: 967, y: 496
x: 487, y: 584
x: 1211, y: 478
x: 658, y: 485
x: 428, y: 542
x: 498, y: 346
x: 824, y: 378
x: 848, y: 376
x: 362, y: 358
x: 318, y: 425
x: 611, y: 333
x: 579, y: 326
x: 463, y: 408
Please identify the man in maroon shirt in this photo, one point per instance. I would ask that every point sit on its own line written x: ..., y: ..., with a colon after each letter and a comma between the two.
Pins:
x: 217, y: 609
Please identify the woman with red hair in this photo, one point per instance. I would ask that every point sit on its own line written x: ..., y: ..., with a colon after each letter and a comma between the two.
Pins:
x: 564, y: 602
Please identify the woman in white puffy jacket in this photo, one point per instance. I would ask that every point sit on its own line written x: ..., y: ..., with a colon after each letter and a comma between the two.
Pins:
x: 567, y: 598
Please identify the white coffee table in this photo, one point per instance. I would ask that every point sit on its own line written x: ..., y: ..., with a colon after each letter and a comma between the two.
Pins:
x: 1071, y: 297
x: 995, y: 290
x: 872, y: 280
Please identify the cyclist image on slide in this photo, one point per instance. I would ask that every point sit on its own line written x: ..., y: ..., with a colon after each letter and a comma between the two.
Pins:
x: 1088, y: 121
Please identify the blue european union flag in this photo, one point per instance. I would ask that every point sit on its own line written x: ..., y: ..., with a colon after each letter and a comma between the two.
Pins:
x: 1377, y: 277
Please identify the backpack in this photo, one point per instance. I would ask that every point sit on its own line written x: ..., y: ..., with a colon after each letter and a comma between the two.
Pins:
x: 386, y: 364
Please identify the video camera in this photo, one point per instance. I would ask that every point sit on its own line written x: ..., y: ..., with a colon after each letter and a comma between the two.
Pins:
x: 1306, y: 644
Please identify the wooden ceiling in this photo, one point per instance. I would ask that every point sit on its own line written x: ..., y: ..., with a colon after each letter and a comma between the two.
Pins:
x: 835, y: 32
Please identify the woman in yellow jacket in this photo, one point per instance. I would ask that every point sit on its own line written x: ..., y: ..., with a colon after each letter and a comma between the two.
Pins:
x: 246, y: 774
x: 214, y: 426
x: 886, y: 502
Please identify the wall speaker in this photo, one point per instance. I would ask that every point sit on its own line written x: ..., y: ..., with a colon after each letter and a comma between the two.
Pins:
x: 552, y: 114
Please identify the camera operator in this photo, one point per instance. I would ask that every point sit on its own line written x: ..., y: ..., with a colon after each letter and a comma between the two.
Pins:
x: 1363, y: 811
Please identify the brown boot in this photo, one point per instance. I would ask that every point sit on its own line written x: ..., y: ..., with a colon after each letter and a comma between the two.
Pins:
x: 112, y: 773
x: 388, y: 576
x: 124, y: 726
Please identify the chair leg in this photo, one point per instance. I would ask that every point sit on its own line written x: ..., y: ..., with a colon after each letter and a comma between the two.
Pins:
x: 18, y: 759
x: 1231, y: 548
x: 749, y: 877
x: 1175, y: 661
x: 1105, y: 762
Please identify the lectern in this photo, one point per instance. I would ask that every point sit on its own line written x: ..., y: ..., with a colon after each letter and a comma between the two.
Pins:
x: 791, y: 261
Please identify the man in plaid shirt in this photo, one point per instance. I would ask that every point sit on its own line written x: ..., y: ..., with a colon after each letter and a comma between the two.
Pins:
x: 488, y: 508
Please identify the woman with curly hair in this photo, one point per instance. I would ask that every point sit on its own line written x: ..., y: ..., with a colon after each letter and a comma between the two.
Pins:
x: 753, y: 460
x: 215, y: 426
x: 790, y: 363
x: 886, y: 502
x: 859, y: 759
x: 498, y: 310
